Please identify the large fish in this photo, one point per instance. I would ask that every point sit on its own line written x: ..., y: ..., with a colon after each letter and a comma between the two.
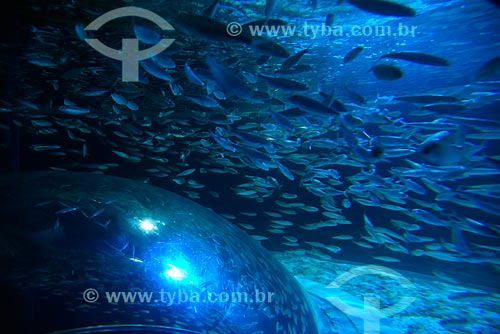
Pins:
x: 381, y: 7
x: 270, y: 7
x: 490, y: 68
x: 228, y: 81
x: 427, y: 99
x: 211, y: 10
x: 387, y: 72
x: 283, y: 83
x: 420, y: 58
x: 312, y: 106
x: 206, y: 28
x: 329, y: 19
x: 267, y: 47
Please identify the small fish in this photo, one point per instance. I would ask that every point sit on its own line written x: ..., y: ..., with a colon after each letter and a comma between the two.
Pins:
x: 121, y: 154
x: 41, y: 122
x: 74, y: 110
x: 66, y: 210
x: 164, y: 61
x: 93, y: 92
x: 343, y: 237
x: 146, y: 35
x: 132, y: 106
x: 294, y: 59
x: 427, y: 217
x: 386, y: 258
x: 351, y: 55
x: 191, y: 76
x: 186, y: 172
x: 119, y: 99
x: 284, y: 170
x: 80, y: 31
x: 246, y: 192
x: 204, y: 101
x: 329, y: 20
x: 175, y: 88
x: 41, y: 61
x: 156, y: 70
x: 247, y: 226
x: 39, y: 147
x: 97, y: 213
x: 387, y: 72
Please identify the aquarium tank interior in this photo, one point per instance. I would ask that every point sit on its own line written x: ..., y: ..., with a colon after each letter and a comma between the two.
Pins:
x: 250, y: 167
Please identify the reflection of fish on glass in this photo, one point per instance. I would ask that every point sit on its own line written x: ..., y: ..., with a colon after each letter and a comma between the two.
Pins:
x: 116, y: 241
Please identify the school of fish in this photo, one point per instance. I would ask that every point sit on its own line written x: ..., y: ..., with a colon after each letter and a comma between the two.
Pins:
x: 258, y: 117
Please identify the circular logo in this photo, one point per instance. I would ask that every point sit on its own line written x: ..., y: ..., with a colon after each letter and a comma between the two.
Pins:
x: 90, y: 295
x: 372, y: 310
x: 234, y: 29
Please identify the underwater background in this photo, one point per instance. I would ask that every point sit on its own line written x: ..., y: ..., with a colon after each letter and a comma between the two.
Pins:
x: 373, y: 148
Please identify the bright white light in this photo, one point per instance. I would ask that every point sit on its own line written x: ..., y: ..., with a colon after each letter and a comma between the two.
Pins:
x: 175, y: 273
x: 146, y: 225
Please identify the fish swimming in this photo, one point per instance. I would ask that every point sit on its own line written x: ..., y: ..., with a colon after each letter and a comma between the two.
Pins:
x: 353, y: 54
x: 292, y: 60
x: 488, y: 69
x: 383, y: 7
x: 311, y: 105
x: 387, y: 72
x: 207, y: 28
x: 267, y: 47
x: 270, y: 7
x: 211, y: 10
x: 284, y: 83
x: 420, y: 58
x: 427, y: 99
x: 227, y: 80
x: 329, y: 19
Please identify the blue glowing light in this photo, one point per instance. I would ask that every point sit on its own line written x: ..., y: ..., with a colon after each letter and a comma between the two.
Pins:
x: 147, y: 225
x: 175, y: 273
